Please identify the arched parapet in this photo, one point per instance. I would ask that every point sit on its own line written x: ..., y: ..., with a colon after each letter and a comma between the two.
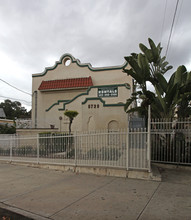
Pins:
x: 67, y: 58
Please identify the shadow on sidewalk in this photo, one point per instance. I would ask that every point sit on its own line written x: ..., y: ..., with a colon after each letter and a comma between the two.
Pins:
x: 8, y: 215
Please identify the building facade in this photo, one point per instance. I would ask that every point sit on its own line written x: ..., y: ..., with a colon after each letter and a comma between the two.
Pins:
x: 97, y: 94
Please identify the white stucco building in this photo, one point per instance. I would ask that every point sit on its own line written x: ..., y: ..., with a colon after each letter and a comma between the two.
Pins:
x: 98, y: 94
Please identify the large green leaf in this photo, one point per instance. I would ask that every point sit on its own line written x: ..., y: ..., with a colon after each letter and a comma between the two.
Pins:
x: 155, y: 51
x: 188, y: 79
x: 147, y: 52
x: 150, y: 95
x: 161, y: 99
x: 169, y: 95
x: 133, y: 63
x: 159, y: 48
x: 143, y: 63
x: 161, y: 82
x: 172, y: 94
x: 164, y: 64
x: 138, y: 109
x: 162, y: 59
x: 129, y: 102
x: 156, y: 109
x: 137, y: 77
x: 171, y: 80
x: 167, y: 69
x: 179, y: 74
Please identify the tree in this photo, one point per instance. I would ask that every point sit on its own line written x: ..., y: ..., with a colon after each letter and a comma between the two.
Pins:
x: 183, y: 80
x: 71, y: 115
x: 5, y: 129
x: 169, y: 97
x: 14, y: 110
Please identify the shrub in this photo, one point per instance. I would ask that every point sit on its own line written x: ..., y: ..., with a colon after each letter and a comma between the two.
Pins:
x: 105, y: 153
x: 5, y: 129
x: 24, y: 151
x: 92, y: 154
x: 110, y: 153
x: 55, y: 143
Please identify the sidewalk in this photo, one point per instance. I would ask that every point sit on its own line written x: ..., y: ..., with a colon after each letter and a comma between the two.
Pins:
x: 47, y: 194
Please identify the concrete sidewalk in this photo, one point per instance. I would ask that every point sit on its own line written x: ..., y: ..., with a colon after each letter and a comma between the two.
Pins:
x: 48, y: 194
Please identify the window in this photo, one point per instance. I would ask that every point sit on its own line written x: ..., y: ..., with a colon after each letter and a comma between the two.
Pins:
x: 67, y: 61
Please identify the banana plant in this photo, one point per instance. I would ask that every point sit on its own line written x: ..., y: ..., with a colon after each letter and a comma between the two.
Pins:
x: 169, y: 97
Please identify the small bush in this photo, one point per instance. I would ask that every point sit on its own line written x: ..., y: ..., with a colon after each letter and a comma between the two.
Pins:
x: 24, y: 151
x: 92, y: 154
x: 55, y: 143
x: 110, y: 153
x: 105, y: 153
x: 5, y: 129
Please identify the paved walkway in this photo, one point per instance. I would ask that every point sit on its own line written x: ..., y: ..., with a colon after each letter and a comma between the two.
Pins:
x: 46, y: 194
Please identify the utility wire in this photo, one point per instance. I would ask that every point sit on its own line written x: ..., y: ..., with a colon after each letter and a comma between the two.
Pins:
x: 163, y: 22
x: 172, y: 27
x: 15, y: 87
x: 178, y: 16
x: 21, y: 100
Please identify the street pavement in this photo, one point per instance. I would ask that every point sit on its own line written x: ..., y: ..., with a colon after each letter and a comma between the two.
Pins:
x: 48, y: 194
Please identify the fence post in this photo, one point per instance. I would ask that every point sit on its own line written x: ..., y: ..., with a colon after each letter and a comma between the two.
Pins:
x: 37, y: 148
x: 149, y: 139
x: 11, y: 148
x: 75, y: 147
x: 127, y: 146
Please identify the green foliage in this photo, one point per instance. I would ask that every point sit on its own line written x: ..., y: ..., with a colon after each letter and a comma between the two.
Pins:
x: 28, y: 151
x: 71, y: 115
x: 171, y: 148
x: 14, y: 110
x: 104, y: 153
x: 169, y: 97
x: 4, y: 152
x: 93, y: 154
x: 5, y: 129
x: 54, y: 143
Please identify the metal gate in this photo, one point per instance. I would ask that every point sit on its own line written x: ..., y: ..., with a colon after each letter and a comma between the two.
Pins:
x: 171, y: 141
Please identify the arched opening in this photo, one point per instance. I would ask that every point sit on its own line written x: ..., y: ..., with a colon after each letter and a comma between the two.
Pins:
x: 113, y: 125
x: 67, y: 61
x: 91, y: 124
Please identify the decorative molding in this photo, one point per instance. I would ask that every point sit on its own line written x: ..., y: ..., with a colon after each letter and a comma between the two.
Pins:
x: 74, y: 60
x: 101, y: 100
x: 57, y: 103
x: 65, y: 102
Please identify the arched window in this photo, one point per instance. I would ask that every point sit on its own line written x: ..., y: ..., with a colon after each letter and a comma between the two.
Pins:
x: 91, y: 124
x: 113, y: 125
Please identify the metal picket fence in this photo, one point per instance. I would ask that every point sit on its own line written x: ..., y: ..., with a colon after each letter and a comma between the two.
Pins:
x: 119, y: 149
x: 171, y: 141
x: 164, y: 141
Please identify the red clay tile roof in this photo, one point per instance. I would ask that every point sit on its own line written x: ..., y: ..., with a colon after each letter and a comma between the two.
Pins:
x: 66, y: 83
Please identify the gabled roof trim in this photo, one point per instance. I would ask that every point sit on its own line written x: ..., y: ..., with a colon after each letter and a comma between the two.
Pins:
x: 77, y: 61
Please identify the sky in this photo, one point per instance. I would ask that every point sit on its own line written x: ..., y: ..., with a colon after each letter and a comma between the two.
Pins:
x: 35, y: 34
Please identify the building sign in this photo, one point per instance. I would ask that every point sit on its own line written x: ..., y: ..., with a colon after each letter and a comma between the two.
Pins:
x: 109, y: 91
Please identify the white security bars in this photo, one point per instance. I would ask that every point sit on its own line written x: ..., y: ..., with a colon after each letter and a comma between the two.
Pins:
x: 117, y: 149
x: 138, y: 148
x: 171, y: 141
